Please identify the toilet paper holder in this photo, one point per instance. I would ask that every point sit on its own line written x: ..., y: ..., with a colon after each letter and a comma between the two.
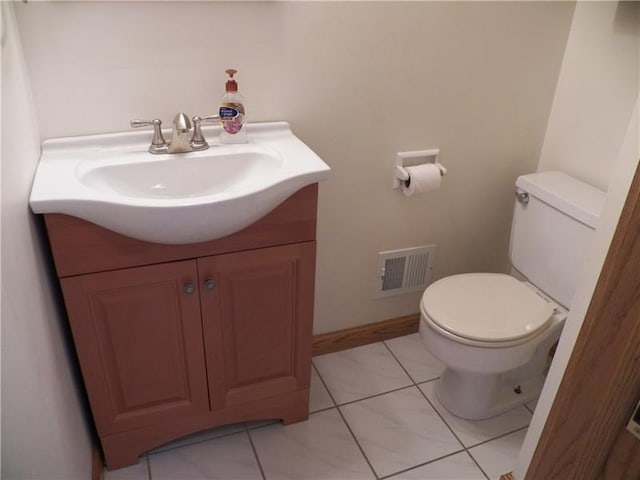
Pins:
x: 411, y: 159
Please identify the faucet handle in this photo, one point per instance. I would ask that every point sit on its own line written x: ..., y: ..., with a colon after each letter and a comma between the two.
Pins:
x: 158, y: 143
x: 145, y: 123
x: 209, y: 118
x: 198, y: 142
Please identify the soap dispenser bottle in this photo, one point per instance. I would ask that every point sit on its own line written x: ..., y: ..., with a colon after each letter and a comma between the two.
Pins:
x: 232, y: 113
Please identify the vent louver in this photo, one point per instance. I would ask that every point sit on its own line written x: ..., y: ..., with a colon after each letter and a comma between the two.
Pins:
x: 403, y: 271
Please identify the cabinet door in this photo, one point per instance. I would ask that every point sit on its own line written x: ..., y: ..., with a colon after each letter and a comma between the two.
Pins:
x: 138, y: 336
x: 257, y: 322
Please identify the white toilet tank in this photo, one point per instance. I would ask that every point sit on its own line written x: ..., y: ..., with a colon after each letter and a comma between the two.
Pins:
x: 552, y: 231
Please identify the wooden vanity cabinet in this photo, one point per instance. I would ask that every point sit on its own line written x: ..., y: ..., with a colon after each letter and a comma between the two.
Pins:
x: 172, y: 339
x: 139, y: 339
x: 254, y: 344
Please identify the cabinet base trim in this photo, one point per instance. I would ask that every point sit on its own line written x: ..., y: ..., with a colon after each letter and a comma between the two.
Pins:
x: 97, y: 468
x: 123, y: 449
x: 365, y: 334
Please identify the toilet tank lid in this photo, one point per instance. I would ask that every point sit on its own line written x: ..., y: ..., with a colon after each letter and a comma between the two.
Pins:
x: 569, y: 195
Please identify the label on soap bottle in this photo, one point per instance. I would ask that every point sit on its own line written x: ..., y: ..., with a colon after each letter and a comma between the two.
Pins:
x: 232, y: 117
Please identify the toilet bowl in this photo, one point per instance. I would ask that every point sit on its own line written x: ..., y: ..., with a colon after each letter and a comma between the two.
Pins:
x: 493, y: 333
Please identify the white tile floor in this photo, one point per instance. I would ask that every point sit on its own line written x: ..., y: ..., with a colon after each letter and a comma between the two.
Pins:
x: 374, y: 415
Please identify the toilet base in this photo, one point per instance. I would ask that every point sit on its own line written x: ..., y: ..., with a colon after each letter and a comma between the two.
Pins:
x: 475, y: 396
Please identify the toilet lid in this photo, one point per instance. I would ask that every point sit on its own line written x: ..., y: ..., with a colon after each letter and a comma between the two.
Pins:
x: 489, y: 307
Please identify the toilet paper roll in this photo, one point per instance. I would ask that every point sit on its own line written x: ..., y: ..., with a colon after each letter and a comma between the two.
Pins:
x: 422, y: 178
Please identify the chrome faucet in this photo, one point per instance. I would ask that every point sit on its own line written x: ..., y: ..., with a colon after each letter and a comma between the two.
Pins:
x: 180, y: 142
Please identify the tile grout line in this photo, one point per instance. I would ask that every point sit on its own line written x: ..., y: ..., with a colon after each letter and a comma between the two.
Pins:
x: 422, y: 393
x: 421, y: 464
x: 148, y: 466
x: 451, y: 429
x: 435, y: 410
x: 246, y: 428
x: 498, y: 437
x: 487, y: 441
x: 466, y: 449
x: 412, y: 385
x: 473, y: 459
x: 320, y: 410
x: 255, y: 452
x: 393, y: 390
x: 375, y: 474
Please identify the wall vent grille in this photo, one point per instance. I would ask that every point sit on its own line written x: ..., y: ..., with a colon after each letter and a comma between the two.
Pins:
x: 404, y: 271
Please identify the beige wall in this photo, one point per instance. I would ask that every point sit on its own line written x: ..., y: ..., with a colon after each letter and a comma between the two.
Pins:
x: 596, y: 91
x: 358, y: 81
x: 44, y: 433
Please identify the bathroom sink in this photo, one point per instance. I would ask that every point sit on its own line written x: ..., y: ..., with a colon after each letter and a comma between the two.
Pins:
x: 113, y: 181
x: 215, y: 171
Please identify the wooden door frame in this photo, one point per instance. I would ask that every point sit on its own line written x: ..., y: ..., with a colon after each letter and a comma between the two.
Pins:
x: 601, y: 383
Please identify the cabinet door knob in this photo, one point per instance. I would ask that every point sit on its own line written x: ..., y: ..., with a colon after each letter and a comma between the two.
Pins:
x: 210, y: 283
x: 189, y: 288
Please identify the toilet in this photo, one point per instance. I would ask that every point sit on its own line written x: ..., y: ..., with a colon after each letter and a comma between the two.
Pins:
x: 495, y: 333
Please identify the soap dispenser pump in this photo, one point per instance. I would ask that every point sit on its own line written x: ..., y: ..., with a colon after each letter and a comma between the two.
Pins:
x: 232, y: 112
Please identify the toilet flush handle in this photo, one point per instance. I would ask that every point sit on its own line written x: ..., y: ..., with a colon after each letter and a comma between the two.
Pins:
x: 523, y: 197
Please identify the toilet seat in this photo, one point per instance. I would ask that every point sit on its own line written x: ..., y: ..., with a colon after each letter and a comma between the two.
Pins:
x: 489, y: 309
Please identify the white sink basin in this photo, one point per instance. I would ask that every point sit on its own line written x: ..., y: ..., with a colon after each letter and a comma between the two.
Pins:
x: 112, y: 181
x: 200, y: 174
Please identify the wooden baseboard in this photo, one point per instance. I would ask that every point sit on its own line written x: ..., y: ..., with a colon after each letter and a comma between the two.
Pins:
x: 364, y: 334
